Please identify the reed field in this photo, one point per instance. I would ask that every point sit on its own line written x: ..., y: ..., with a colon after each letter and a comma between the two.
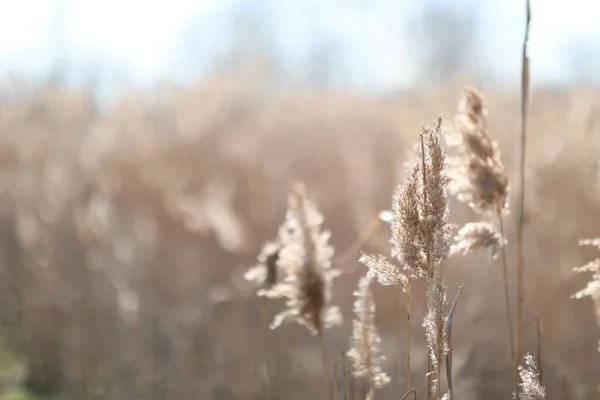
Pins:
x: 127, y: 235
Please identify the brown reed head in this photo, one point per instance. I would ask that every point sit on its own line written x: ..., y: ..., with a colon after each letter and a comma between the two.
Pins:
x: 305, y: 258
x: 420, y: 229
x: 477, y: 172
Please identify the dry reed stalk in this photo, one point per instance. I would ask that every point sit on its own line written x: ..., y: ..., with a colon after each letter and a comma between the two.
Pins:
x: 347, y: 387
x: 420, y: 235
x: 521, y: 220
x: 434, y: 324
x: 509, y: 317
x: 335, y: 385
x: 538, y: 338
x: 531, y: 389
x: 448, y: 332
x: 360, y: 241
x: 265, y: 275
x: 436, y: 231
x: 305, y: 259
x: 478, y: 178
x: 324, y: 366
x: 408, y: 333
x: 266, y: 349
x: 365, y: 349
x: 430, y: 272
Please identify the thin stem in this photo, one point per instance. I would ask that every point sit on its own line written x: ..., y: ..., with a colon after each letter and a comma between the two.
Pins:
x: 347, y: 389
x: 324, y: 367
x: 266, y: 349
x: 408, y: 304
x: 539, y: 358
x: 411, y: 391
x: 507, y: 301
x: 427, y: 255
x: 521, y: 221
x: 360, y: 241
x: 335, y: 386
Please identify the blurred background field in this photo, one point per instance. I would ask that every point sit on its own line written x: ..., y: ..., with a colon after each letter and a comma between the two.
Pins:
x: 131, y: 207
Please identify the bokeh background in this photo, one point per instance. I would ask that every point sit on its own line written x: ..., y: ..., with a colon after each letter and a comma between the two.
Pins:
x: 146, y: 150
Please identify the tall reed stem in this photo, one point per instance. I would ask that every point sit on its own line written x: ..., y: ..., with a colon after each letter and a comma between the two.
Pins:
x: 347, y: 388
x: 539, y: 358
x: 428, y: 257
x: 521, y: 221
x: 509, y: 317
x: 266, y: 348
x: 408, y: 301
x: 324, y: 367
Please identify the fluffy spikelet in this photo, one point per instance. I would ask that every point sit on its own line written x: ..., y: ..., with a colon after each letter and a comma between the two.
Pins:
x: 476, y: 236
x: 476, y: 171
x: 434, y: 324
x: 592, y: 290
x: 305, y: 259
x: 531, y: 389
x: 412, y: 233
x: 436, y: 229
x: 383, y: 271
x: 265, y: 273
x: 407, y: 235
x: 365, y: 352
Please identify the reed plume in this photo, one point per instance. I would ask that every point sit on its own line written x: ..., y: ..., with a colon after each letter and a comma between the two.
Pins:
x: 365, y: 350
x: 420, y: 239
x: 478, y: 178
x: 592, y: 290
x: 305, y: 260
x: 475, y: 236
x: 530, y: 387
x: 476, y: 170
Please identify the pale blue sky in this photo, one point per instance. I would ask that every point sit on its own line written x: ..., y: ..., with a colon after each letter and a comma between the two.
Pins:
x: 143, y: 39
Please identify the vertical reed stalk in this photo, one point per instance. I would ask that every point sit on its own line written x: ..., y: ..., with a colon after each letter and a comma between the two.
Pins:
x: 538, y: 335
x: 521, y: 221
x: 509, y: 318
x: 335, y: 385
x: 408, y: 304
x: 427, y: 258
x: 266, y: 373
x: 347, y: 388
x: 324, y: 367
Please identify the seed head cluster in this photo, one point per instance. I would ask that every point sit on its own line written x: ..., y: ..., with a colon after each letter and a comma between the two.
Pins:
x: 305, y: 259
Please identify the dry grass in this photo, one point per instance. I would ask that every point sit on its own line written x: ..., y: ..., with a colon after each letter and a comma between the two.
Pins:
x: 126, y: 237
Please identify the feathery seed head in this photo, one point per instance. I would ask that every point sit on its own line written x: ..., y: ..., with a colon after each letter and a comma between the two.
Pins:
x: 384, y: 271
x: 407, y: 235
x: 421, y: 212
x: 306, y: 261
x: 476, y: 170
x: 365, y: 350
x: 531, y: 389
x: 592, y: 290
x: 478, y: 236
